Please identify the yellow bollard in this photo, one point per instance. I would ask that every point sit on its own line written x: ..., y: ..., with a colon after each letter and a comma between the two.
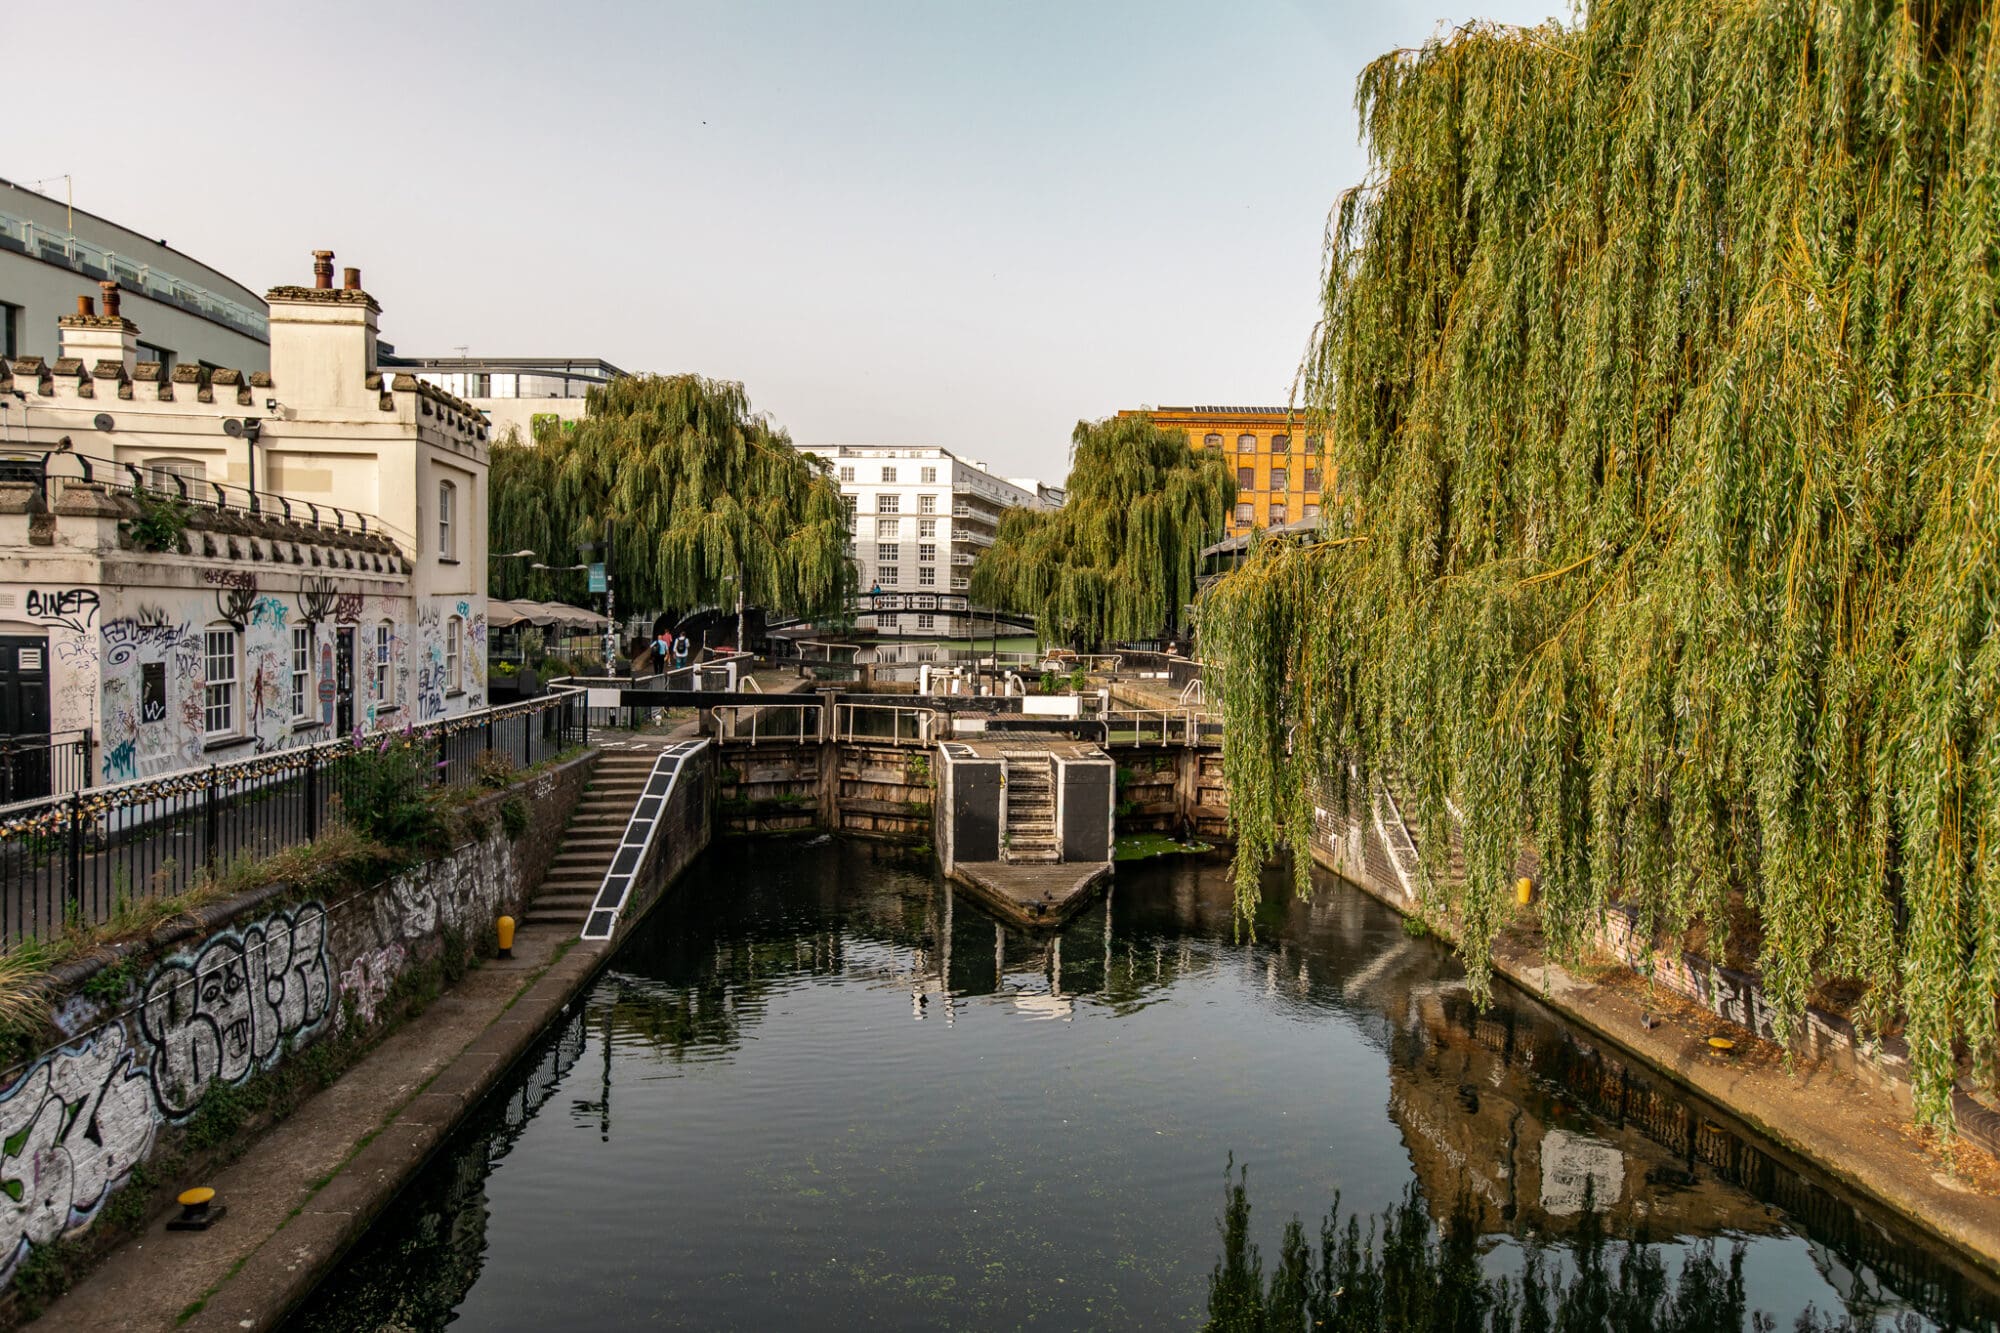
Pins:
x: 505, y: 928
x: 1524, y: 890
x: 199, y: 1211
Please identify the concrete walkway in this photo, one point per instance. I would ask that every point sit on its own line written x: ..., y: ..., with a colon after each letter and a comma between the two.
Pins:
x: 309, y: 1187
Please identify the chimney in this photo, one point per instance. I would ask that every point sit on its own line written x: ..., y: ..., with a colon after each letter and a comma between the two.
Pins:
x: 91, y: 337
x: 323, y: 341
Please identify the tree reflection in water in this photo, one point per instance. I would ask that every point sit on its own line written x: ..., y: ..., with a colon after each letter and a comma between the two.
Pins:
x: 1402, y: 1273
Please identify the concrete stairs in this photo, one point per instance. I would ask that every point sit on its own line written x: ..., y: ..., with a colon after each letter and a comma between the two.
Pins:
x: 588, y: 844
x: 1031, y: 810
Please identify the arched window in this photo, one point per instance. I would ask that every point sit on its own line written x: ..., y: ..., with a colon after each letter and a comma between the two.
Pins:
x: 454, y: 655
x: 1211, y: 442
x: 220, y: 714
x: 447, y: 521
x: 1314, y: 444
x: 1281, y: 444
x: 1246, y: 443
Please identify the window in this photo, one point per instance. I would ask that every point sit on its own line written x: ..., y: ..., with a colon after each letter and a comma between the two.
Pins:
x: 384, y: 679
x: 925, y: 620
x: 926, y: 504
x: 164, y: 355
x: 885, y: 620
x: 847, y: 507
x: 454, y: 655
x: 218, y: 660
x: 847, y: 474
x: 161, y: 474
x: 10, y: 330
x: 888, y: 527
x: 1246, y: 444
x: 447, y: 514
x: 1312, y: 479
x: 302, y: 666
x: 1313, y: 444
x: 1211, y: 441
x: 889, y: 475
x: 927, y: 552
x: 927, y: 527
x: 926, y: 576
x: 1281, y: 444
x: 929, y: 475
x: 888, y: 504
x: 1243, y: 514
x: 886, y: 552
x: 1277, y: 515
x: 888, y: 576
x: 1280, y: 480
x: 1310, y: 513
x: 1246, y: 480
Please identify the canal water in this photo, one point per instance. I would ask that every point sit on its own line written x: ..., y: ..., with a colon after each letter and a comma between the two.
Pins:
x: 819, y: 1089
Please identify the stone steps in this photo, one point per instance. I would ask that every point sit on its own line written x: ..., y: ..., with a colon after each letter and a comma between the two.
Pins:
x: 596, y: 828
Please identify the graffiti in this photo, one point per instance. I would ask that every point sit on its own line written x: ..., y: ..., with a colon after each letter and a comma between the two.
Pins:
x: 72, y: 609
x: 77, y: 654
x: 225, y: 1013
x: 367, y: 979
x: 406, y: 909
x: 230, y: 578
x: 121, y: 761
x: 269, y: 611
x: 427, y: 615
x: 150, y: 630
x: 347, y: 610
x: 430, y: 689
x: 71, y: 1130
x: 326, y: 687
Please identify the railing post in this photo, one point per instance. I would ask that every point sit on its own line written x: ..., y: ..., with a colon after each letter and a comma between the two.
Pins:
x: 312, y: 792
x: 74, y: 853
x: 209, y: 818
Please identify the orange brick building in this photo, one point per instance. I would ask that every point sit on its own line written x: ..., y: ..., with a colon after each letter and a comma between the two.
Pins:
x: 1276, y: 460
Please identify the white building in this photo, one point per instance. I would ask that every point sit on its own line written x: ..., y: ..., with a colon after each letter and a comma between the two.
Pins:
x: 201, y: 563
x: 518, y: 394
x: 919, y: 519
x: 50, y: 254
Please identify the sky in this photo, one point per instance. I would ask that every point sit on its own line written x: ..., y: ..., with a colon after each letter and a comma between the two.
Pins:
x: 896, y: 223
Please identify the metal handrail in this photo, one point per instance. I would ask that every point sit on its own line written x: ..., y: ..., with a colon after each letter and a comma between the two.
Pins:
x: 217, y: 495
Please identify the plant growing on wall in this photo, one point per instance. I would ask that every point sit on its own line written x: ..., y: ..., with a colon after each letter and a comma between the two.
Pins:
x: 705, y: 503
x: 386, y: 789
x: 1120, y: 558
x: 1660, y: 355
x: 159, y: 523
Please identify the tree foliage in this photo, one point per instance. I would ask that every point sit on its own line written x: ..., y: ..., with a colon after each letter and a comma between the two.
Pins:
x: 1660, y: 359
x: 702, y: 501
x: 1119, y: 559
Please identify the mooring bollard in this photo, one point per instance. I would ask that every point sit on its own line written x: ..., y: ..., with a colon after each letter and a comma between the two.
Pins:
x: 505, y: 929
x: 1524, y: 890
x: 199, y: 1211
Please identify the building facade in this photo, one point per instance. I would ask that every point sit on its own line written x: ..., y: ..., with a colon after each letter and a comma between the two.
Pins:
x: 1278, y: 462
x: 518, y: 394
x: 919, y: 518
x: 198, y: 564
x: 51, y: 253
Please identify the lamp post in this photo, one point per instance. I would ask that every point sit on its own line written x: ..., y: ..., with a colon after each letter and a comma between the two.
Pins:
x: 562, y: 569
x: 610, y: 606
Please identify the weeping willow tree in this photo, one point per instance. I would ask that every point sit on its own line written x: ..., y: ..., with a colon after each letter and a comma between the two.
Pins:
x: 1660, y: 358
x: 1119, y: 559
x: 705, y: 504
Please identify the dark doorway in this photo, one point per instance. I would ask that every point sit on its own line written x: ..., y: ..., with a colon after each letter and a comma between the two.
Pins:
x: 24, y: 717
x: 343, y: 681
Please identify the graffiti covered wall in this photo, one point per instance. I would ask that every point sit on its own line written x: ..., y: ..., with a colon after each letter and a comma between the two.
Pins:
x: 241, y: 996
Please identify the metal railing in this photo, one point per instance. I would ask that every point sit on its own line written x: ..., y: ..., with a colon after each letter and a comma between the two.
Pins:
x: 51, y: 477
x: 48, y: 765
x: 78, y: 859
x: 775, y: 723
x: 887, y: 724
x: 41, y: 241
x: 1161, y: 726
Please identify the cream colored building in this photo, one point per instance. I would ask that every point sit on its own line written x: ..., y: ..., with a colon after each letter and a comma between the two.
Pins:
x: 332, y: 572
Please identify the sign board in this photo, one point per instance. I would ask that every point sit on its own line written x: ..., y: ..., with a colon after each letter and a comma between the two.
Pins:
x: 597, y: 577
x: 601, y: 698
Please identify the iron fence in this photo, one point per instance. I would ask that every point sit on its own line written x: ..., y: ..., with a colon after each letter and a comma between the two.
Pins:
x: 79, y: 858
x: 48, y: 765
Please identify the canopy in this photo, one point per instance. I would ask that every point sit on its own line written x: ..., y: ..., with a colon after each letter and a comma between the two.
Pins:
x: 506, y: 615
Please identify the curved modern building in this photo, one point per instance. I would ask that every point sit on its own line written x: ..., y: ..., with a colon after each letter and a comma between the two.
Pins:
x: 51, y: 253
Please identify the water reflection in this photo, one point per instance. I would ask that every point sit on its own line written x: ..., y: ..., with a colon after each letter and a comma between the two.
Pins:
x: 820, y: 1086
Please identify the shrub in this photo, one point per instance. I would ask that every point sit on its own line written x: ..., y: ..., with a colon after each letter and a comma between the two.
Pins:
x: 514, y: 816
x: 386, y: 792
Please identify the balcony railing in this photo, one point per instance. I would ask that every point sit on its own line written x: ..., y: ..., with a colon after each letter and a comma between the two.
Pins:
x: 57, y: 247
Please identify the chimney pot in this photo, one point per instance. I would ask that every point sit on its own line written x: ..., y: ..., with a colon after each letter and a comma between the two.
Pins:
x: 110, y: 290
x: 323, y: 270
x: 85, y: 306
x: 350, y: 278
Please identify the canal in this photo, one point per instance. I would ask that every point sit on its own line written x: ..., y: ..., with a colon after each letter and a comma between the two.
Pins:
x: 818, y: 1089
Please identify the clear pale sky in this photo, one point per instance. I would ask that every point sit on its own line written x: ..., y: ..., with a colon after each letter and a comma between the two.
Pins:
x: 955, y: 224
